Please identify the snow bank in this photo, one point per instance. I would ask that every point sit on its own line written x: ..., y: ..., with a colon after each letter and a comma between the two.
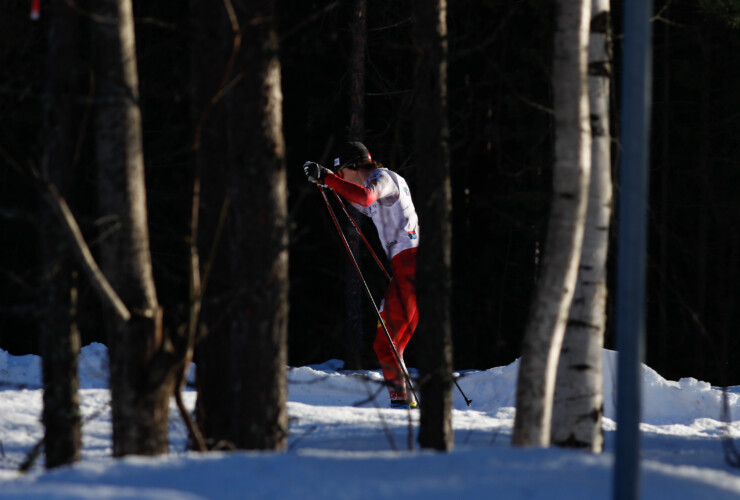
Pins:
x: 25, y: 371
x: 20, y: 370
x: 93, y: 366
x: 664, y: 402
x: 345, y: 442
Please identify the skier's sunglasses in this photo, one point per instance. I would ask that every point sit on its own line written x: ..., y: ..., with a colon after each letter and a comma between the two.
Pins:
x: 350, y: 165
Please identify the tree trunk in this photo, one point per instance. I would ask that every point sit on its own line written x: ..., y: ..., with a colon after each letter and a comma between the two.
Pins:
x: 434, y: 202
x: 60, y: 346
x: 357, y: 71
x: 356, y: 132
x: 546, y: 324
x: 60, y: 338
x: 663, y: 288
x: 579, y: 397
x: 213, y: 46
x: 140, y: 399
x: 259, y: 243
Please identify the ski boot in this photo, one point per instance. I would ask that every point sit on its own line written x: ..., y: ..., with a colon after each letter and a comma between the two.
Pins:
x: 402, y: 401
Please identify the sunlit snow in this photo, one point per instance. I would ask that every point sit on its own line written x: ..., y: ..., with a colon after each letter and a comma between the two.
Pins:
x: 346, y: 443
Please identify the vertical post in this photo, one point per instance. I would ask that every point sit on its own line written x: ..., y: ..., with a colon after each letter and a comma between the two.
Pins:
x: 633, y: 195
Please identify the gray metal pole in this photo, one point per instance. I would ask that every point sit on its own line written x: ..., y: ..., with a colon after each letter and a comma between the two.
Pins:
x: 632, y: 236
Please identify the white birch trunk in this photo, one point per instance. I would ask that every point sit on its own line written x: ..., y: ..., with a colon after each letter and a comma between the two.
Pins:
x: 579, y: 400
x: 546, y: 325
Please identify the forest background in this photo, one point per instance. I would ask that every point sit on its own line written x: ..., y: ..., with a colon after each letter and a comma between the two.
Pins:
x: 501, y: 125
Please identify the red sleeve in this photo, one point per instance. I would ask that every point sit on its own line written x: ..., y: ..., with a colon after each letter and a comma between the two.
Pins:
x: 351, y: 191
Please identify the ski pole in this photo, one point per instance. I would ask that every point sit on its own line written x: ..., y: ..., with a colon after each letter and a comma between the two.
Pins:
x: 367, y: 292
x: 467, y: 401
x: 357, y: 228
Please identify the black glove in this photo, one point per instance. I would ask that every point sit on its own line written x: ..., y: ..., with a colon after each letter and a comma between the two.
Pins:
x: 314, y: 171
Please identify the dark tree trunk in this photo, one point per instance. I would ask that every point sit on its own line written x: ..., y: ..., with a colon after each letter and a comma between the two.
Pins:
x: 140, y: 396
x: 357, y: 71
x: 258, y: 236
x: 434, y: 204
x: 60, y: 346
x: 213, y: 46
x: 60, y: 339
x: 356, y: 132
x: 662, y: 332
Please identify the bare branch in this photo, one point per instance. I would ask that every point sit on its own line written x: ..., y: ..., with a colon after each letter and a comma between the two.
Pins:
x: 79, y: 246
x: 114, y: 20
x: 33, y: 454
x: 292, y: 31
x: 72, y: 230
x: 18, y: 280
x: 195, y: 435
x: 402, y: 22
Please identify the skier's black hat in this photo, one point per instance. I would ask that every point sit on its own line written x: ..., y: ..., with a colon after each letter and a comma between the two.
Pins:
x: 353, y: 153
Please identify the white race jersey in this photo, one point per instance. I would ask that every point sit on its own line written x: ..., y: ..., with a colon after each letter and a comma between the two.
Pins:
x: 392, y: 211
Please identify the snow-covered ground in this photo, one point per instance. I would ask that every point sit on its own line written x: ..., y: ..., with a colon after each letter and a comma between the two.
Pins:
x: 345, y: 443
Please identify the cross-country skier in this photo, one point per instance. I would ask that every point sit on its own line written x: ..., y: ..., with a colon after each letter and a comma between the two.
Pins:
x: 383, y: 196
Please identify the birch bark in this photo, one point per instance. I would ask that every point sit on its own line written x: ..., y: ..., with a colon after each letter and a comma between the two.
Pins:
x: 579, y: 401
x: 546, y: 325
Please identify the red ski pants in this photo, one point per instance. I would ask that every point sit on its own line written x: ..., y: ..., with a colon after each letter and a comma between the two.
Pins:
x: 400, y: 314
